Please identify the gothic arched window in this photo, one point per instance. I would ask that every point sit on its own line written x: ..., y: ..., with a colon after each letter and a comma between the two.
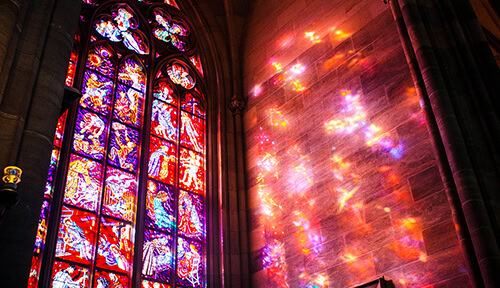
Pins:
x: 125, y: 197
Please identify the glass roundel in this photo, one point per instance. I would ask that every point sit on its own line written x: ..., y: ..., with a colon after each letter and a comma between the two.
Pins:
x: 132, y: 199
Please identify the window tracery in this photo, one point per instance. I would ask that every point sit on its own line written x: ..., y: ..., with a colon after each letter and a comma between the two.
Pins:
x: 129, y: 177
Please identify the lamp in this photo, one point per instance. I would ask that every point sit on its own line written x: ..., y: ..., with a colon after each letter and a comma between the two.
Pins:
x: 8, y: 193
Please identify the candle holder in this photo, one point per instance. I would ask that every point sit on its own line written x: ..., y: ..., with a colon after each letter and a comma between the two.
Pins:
x: 8, y: 193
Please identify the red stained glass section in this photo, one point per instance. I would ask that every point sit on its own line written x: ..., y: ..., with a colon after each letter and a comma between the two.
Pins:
x: 162, y: 160
x: 69, y: 275
x: 192, y: 105
x: 123, y: 147
x: 76, y: 236
x: 89, y: 134
x: 192, y: 132
x: 104, y: 279
x: 114, y: 251
x: 60, y: 130
x: 119, y: 198
x: 164, y: 121
x: 34, y: 272
x: 70, y: 74
x: 96, y: 92
x: 165, y: 92
x: 191, y: 216
x: 84, y: 183
x: 192, y: 171
x: 128, y: 105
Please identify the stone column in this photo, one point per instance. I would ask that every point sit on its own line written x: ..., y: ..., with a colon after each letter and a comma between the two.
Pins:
x: 455, y: 73
x: 32, y: 101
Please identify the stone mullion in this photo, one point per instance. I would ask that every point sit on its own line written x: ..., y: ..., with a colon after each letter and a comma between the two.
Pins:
x: 36, y: 88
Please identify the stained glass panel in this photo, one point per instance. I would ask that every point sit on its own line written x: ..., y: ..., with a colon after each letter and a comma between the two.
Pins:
x: 192, y: 171
x: 180, y: 75
x: 192, y: 105
x: 83, y: 184
x: 34, y: 272
x: 104, y: 279
x: 89, y: 134
x: 151, y: 284
x: 119, y: 198
x: 164, y: 121
x: 190, y: 263
x: 96, y: 92
x: 109, y: 30
x: 123, y: 147
x: 128, y: 105
x: 191, y: 215
x: 162, y: 160
x: 132, y: 74
x: 100, y: 60
x: 60, y: 129
x: 159, y: 206
x: 115, y: 245
x: 165, y: 92
x: 41, y: 231
x: 170, y: 32
x: 54, y: 160
x: 196, y: 62
x: 69, y: 275
x: 157, y: 256
x: 192, y: 132
x: 70, y: 74
x: 76, y: 236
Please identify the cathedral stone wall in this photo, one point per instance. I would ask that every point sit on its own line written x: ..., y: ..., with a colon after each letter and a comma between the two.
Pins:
x: 342, y: 180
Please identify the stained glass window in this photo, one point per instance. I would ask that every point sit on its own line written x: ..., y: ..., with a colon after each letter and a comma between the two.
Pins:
x: 129, y: 173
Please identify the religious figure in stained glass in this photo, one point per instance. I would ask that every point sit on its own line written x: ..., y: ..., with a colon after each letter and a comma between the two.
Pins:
x: 123, y: 151
x: 164, y: 120
x: 122, y: 30
x: 96, y: 92
x: 89, y: 135
x: 165, y: 92
x: 189, y: 263
x: 132, y: 74
x: 119, y: 197
x: 159, y: 206
x: 105, y: 279
x: 69, y: 276
x: 83, y: 183
x: 76, y: 235
x: 191, y: 171
x: 157, y: 255
x: 192, y: 135
x: 115, y: 246
x: 191, y: 215
x: 162, y: 160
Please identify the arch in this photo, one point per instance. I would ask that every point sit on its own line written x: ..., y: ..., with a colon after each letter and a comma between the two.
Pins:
x: 112, y: 161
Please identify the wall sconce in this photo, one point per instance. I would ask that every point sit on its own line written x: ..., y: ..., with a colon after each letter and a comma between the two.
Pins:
x: 8, y: 193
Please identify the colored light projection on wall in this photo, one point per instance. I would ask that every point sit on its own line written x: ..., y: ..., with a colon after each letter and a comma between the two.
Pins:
x: 335, y: 178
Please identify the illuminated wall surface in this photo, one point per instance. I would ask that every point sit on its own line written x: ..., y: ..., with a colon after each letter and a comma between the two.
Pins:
x: 343, y: 183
